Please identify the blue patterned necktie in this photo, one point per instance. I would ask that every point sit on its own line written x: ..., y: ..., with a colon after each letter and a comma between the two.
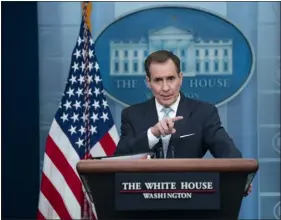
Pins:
x: 166, y: 138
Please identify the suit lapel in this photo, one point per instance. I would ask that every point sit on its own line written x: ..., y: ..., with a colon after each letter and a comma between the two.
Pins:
x: 150, y: 119
x: 150, y: 113
x: 184, y: 109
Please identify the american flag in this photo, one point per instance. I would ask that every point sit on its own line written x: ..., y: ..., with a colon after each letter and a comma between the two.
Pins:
x: 83, y: 126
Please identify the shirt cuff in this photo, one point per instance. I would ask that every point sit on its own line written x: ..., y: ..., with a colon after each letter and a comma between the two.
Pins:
x: 152, y: 140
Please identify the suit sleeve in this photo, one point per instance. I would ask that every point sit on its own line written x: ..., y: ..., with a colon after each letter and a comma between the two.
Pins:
x: 217, y: 139
x: 130, y: 143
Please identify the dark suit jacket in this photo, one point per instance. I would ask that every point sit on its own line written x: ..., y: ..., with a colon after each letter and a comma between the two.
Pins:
x: 199, y: 117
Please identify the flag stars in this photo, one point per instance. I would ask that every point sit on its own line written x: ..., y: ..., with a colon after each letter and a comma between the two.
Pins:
x: 72, y: 130
x: 97, y: 91
x: 79, y: 92
x: 82, y: 130
x: 96, y: 66
x: 91, y: 41
x: 88, y: 92
x: 72, y: 79
x: 97, y: 79
x: 79, y: 41
x: 75, y: 66
x: 84, y: 53
x: 77, y: 104
x: 70, y: 92
x: 81, y: 79
x: 85, y: 39
x: 94, y: 117
x: 84, y: 117
x: 90, y: 79
x: 64, y: 117
x: 77, y: 53
x: 104, y: 103
x: 104, y: 116
x: 67, y: 104
x: 82, y: 66
x: 86, y: 104
x: 91, y: 53
x: 93, y: 129
x: 79, y: 142
x: 75, y: 117
x: 96, y: 104
x: 90, y: 66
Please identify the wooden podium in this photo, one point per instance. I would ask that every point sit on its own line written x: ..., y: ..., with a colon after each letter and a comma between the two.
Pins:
x: 167, y: 188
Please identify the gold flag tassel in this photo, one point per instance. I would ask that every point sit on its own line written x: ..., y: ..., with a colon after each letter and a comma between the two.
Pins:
x: 86, y: 11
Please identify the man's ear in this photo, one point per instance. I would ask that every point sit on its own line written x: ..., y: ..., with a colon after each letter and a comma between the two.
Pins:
x: 180, y: 76
x: 147, y: 82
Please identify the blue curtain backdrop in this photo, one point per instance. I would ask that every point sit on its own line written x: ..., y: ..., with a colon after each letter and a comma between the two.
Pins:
x: 243, y: 121
x: 252, y: 118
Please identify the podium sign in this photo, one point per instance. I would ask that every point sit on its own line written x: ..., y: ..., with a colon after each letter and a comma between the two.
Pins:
x: 167, y: 191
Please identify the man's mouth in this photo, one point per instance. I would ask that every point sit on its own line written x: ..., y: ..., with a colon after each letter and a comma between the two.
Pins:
x: 166, y: 96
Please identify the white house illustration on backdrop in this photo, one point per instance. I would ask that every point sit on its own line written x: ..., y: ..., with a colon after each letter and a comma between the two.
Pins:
x: 198, y: 56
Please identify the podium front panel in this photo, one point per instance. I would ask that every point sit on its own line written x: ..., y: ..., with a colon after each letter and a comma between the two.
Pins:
x: 118, y: 189
x: 167, y: 191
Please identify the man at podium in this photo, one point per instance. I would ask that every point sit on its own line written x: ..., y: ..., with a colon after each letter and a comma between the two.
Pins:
x: 170, y: 124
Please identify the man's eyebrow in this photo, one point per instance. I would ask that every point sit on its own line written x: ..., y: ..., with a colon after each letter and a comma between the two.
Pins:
x: 166, y: 77
x: 158, y: 78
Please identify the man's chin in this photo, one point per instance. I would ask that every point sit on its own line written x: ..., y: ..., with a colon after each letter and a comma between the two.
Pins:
x: 166, y: 102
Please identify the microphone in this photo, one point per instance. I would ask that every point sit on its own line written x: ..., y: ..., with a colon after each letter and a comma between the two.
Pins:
x: 173, y: 151
x: 173, y: 144
x: 160, y: 149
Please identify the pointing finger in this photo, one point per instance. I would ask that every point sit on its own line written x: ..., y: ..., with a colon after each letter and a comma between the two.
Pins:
x: 160, y: 129
x: 177, y: 118
x: 163, y: 123
x: 170, y: 124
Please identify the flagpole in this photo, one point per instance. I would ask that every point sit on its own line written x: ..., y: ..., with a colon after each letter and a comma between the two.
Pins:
x: 86, y: 10
x: 86, y: 16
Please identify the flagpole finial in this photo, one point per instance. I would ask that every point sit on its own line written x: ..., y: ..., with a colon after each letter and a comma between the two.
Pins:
x: 86, y: 12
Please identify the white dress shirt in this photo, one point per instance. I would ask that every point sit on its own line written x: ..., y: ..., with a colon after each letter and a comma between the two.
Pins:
x: 152, y: 140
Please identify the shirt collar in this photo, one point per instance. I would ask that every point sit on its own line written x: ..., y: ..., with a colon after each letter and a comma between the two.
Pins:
x: 174, y: 106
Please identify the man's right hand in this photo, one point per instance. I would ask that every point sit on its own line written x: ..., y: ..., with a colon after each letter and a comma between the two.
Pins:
x: 165, y: 126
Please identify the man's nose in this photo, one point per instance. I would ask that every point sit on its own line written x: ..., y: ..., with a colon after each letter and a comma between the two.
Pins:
x: 165, y: 86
